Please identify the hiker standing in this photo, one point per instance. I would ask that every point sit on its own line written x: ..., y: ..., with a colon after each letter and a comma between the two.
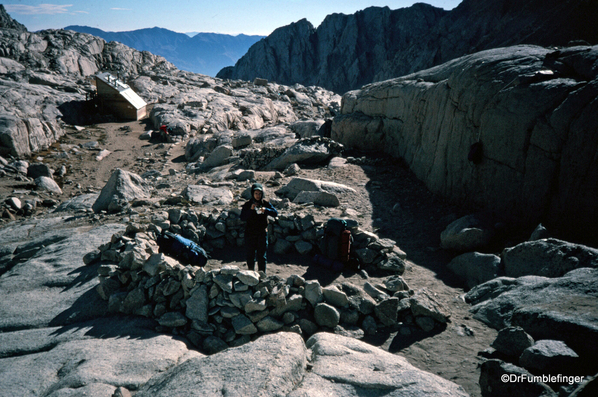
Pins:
x: 255, y: 212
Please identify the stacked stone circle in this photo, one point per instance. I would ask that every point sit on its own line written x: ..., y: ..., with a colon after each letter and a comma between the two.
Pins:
x: 228, y: 307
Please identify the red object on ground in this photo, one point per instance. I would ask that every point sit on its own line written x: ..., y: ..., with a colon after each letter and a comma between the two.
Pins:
x: 345, y: 246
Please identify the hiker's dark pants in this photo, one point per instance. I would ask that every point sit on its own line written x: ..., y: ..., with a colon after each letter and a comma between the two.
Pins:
x: 256, y: 245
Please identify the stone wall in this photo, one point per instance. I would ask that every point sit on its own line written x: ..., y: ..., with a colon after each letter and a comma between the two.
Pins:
x: 226, y: 307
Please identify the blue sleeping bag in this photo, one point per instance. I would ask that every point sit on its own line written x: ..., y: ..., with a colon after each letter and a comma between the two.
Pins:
x: 183, y: 249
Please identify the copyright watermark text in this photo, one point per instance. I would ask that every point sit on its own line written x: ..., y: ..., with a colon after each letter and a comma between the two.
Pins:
x: 514, y: 378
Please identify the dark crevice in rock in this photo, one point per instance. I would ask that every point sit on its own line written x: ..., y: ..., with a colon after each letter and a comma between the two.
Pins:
x: 25, y: 351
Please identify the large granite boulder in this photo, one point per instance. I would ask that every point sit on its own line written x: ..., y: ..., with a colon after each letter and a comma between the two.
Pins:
x: 547, y: 257
x: 512, y: 341
x: 532, y: 108
x: 298, y: 185
x: 271, y: 365
x: 306, y: 129
x: 563, y: 308
x: 44, y: 183
x: 207, y: 195
x: 466, y: 234
x: 498, y: 379
x: 475, y: 268
x: 82, y: 202
x: 36, y: 170
x: 122, y: 187
x: 549, y: 356
x: 312, y: 150
x: 344, y: 366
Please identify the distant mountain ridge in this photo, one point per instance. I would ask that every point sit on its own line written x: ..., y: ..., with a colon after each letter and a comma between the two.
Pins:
x: 204, y: 53
x: 348, y: 51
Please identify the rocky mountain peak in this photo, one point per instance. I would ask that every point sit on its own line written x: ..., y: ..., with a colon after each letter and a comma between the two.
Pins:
x: 344, y: 52
x: 6, y: 21
x: 348, y: 51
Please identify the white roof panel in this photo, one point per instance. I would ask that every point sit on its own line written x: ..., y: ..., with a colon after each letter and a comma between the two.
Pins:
x: 133, y: 98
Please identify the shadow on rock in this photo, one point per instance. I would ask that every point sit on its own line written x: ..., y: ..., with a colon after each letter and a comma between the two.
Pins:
x: 83, y: 113
x: 86, y: 274
x: 400, y: 341
x: 325, y: 276
x: 113, y: 327
x: 180, y: 159
x: 87, y: 307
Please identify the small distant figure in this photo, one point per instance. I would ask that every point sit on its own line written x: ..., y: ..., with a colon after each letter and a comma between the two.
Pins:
x: 255, y: 212
x: 162, y: 134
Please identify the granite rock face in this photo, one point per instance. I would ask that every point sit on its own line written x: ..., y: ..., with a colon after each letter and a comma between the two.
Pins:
x: 375, y: 44
x: 344, y: 52
x: 532, y: 109
x: 6, y: 22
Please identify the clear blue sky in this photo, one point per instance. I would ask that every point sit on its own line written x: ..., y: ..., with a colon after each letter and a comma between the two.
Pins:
x: 218, y: 16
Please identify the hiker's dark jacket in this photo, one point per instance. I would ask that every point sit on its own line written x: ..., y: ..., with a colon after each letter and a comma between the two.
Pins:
x: 257, y: 223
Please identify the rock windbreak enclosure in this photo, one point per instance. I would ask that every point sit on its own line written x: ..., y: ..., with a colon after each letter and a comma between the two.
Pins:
x: 454, y: 284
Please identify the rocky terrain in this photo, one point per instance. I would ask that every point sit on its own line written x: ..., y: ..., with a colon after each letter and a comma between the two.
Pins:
x: 446, y: 300
x: 375, y: 44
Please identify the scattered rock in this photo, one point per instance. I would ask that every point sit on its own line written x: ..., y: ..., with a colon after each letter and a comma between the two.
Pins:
x: 36, y: 170
x: 312, y: 150
x: 547, y: 257
x: 298, y: 185
x: 323, y: 199
x: 550, y: 357
x: 492, y: 381
x: 545, y: 308
x: 512, y: 341
x: 475, y: 268
x: 423, y: 303
x: 47, y: 184
x: 207, y: 195
x: 102, y: 155
x: 465, y: 234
